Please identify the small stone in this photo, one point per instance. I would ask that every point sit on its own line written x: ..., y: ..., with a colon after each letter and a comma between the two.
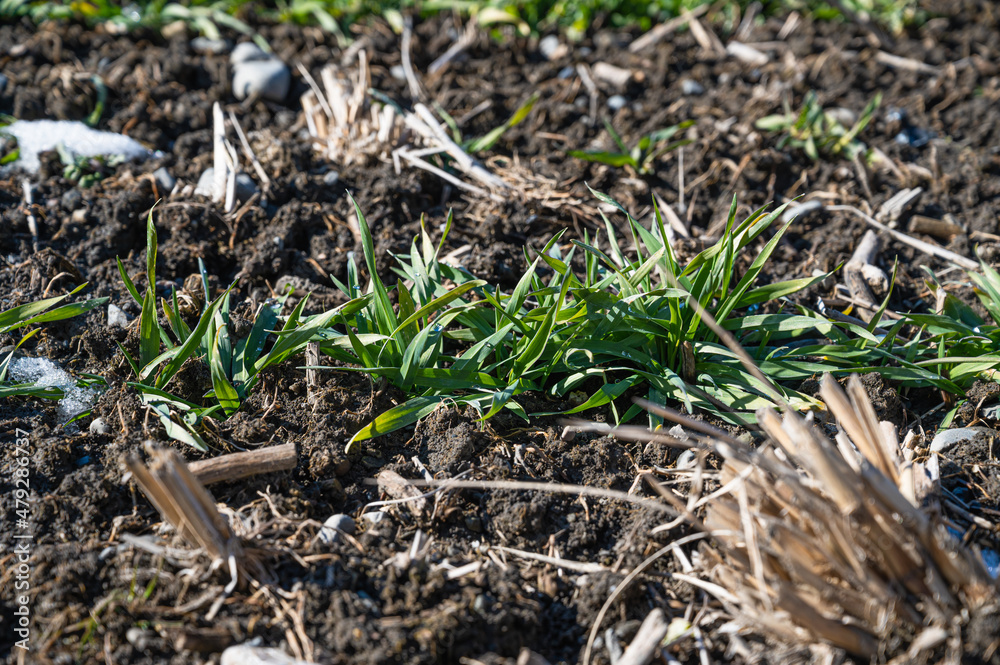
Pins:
x: 948, y: 438
x: 245, y: 186
x: 99, y: 426
x: 473, y: 523
x: 206, y: 46
x: 71, y: 200
x: 481, y: 604
x: 79, y: 216
x: 397, y: 72
x: 246, y: 654
x: 551, y: 48
x: 566, y: 72
x: 915, y: 137
x: 342, y: 467
x: 375, y: 517
x: 689, y: 87
x: 895, y: 115
x: 334, y: 528
x: 616, y: 102
x: 678, y: 433
x: 687, y: 460
x: 164, y: 180
x: 247, y: 52
x: 138, y: 638
x: 270, y: 79
x: 331, y: 178
x: 116, y: 317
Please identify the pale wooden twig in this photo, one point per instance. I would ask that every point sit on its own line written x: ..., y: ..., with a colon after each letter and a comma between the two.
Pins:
x: 219, y: 153
x: 661, y: 31
x: 427, y: 166
x: 248, y: 151
x: 908, y: 64
x: 578, y: 566
x: 235, y: 466
x: 893, y: 209
x: 920, y: 245
x: 32, y: 221
x: 944, y: 229
x: 646, y: 642
x: 411, y: 77
x: 465, y: 40
x: 860, y: 273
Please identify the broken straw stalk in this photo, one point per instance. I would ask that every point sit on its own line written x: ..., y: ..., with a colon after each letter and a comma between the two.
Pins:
x: 830, y: 542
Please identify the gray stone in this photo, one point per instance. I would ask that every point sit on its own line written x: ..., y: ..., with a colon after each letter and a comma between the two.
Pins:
x: 689, y: 87
x: 375, y: 517
x: 247, y: 52
x: 99, y: 426
x: 207, y: 46
x: 71, y: 200
x: 245, y: 186
x: 331, y: 178
x: 164, y: 180
x: 949, y: 438
x: 616, y: 102
x: 397, y: 72
x: 334, y: 528
x: 270, y: 79
x: 116, y: 317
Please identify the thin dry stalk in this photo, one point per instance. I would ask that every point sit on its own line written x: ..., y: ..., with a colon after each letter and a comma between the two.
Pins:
x: 183, y: 501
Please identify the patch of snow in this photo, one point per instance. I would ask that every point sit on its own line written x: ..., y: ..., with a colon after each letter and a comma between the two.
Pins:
x: 43, y: 372
x: 37, y: 136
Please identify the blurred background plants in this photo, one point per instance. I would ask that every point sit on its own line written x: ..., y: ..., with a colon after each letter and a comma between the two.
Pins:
x: 572, y: 17
x: 817, y: 131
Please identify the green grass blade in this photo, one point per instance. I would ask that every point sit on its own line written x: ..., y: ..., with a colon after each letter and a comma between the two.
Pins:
x: 149, y: 335
x: 397, y: 417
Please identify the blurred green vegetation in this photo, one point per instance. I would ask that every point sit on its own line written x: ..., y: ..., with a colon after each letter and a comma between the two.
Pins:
x: 573, y: 17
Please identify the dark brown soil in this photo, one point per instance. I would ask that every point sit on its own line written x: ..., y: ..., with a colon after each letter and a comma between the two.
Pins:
x: 89, y: 589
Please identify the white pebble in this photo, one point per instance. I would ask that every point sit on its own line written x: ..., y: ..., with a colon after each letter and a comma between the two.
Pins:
x: 616, y: 102
x: 116, y: 317
x: 245, y: 186
x: 99, y: 426
x: 244, y: 654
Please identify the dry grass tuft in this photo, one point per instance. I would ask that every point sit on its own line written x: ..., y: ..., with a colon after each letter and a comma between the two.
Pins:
x: 844, y: 543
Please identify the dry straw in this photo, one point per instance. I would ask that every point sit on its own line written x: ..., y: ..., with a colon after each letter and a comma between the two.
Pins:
x: 843, y: 542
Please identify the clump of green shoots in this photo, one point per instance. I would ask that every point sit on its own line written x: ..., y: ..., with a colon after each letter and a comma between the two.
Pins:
x: 626, y: 322
x: 643, y: 155
x: 956, y: 341
x: 817, y: 131
x: 235, y: 363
